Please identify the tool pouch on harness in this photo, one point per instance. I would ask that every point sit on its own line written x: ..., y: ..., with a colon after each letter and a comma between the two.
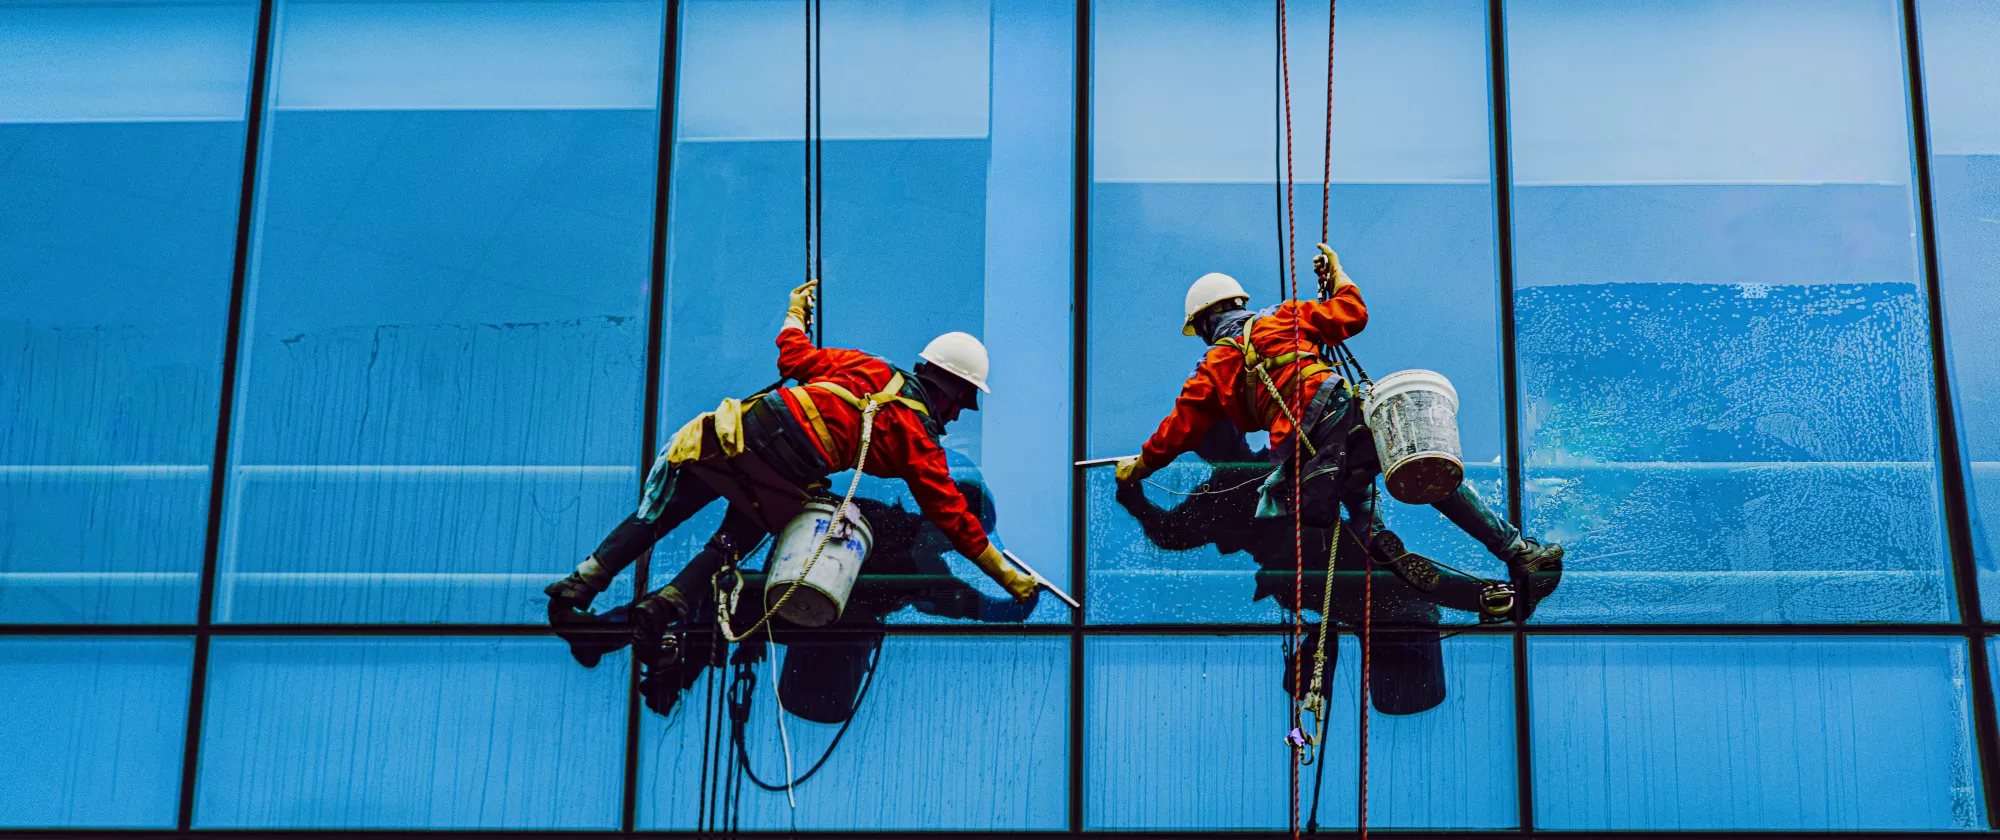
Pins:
x: 1331, y: 451
x: 1342, y: 460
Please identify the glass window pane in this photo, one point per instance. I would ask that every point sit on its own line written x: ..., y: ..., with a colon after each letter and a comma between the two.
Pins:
x: 445, y: 341
x: 1441, y: 745
x: 410, y: 733
x: 94, y: 731
x: 1448, y: 765
x: 946, y: 206
x: 918, y: 734
x: 121, y: 157
x: 1724, y: 354
x: 1960, y: 75
x: 1753, y: 733
x: 1183, y: 184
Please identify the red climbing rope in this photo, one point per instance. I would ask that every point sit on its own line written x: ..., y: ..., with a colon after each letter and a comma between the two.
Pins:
x: 1288, y: 283
x: 1368, y: 575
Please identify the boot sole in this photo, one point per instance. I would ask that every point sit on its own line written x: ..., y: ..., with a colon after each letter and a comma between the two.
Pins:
x: 1413, y: 569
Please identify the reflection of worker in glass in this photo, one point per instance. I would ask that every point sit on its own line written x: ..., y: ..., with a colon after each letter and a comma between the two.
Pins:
x: 1221, y: 512
x: 768, y: 454
x: 1253, y: 358
x: 822, y: 675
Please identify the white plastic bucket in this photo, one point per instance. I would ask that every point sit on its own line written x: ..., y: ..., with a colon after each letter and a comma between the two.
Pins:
x: 1414, y: 415
x: 822, y: 593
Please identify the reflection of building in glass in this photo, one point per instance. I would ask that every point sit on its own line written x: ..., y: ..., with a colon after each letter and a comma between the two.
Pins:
x: 335, y: 330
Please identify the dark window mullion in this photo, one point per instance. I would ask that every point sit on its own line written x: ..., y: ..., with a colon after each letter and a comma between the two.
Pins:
x: 1510, y: 398
x: 650, y: 410
x: 1079, y: 402
x: 225, y: 408
x: 1037, y: 630
x: 1957, y: 521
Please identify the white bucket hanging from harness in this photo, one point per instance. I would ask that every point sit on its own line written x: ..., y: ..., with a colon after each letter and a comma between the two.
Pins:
x: 822, y: 538
x: 821, y: 588
x: 1414, y: 415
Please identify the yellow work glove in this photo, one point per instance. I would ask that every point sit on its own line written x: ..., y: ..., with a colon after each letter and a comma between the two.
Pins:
x: 1011, y: 579
x: 1131, y: 468
x: 802, y: 301
x: 1327, y: 262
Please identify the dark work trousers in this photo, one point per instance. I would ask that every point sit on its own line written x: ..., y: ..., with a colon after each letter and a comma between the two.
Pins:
x: 778, y: 440
x: 1463, y: 507
x: 631, y: 539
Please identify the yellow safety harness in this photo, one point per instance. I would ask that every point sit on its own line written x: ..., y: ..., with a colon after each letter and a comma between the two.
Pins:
x: 891, y: 393
x: 1260, y: 366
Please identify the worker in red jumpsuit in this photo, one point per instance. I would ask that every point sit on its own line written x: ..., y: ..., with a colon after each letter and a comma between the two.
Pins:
x: 1264, y: 371
x: 768, y: 455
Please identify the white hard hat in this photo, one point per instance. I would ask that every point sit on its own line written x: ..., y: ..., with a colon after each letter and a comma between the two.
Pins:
x: 961, y: 354
x: 1210, y: 289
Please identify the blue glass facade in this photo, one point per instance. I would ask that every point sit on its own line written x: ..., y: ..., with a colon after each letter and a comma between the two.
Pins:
x: 332, y: 325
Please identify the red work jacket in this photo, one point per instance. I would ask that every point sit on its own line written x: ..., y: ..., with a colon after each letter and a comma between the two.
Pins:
x: 1220, y: 388
x: 899, y: 446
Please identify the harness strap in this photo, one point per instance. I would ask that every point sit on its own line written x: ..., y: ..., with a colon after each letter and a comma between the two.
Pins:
x: 1257, y: 367
x: 812, y: 415
x: 891, y: 394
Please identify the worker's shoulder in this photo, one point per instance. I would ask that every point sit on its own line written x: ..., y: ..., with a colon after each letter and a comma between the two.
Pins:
x: 1221, y: 352
x: 860, y: 359
x: 1218, y: 356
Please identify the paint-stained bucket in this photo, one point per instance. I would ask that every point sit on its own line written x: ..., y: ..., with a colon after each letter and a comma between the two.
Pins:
x: 822, y: 593
x: 1414, y: 415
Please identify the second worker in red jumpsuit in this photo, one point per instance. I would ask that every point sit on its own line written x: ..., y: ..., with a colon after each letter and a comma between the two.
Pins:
x: 1263, y: 371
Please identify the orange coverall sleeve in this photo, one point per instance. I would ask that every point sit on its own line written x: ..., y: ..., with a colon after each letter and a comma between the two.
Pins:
x: 924, y: 468
x: 1195, y: 412
x: 1337, y: 318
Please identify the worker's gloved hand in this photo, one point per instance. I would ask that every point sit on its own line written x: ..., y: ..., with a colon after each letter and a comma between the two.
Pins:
x: 803, y: 299
x: 1011, y: 579
x: 1326, y: 263
x: 1132, y: 468
x: 1019, y: 585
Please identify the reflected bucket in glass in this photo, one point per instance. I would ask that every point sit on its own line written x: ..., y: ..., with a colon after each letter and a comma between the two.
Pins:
x: 1414, y: 415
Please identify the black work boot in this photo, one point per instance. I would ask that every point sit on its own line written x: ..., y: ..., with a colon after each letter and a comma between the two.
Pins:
x: 606, y: 633
x: 570, y: 615
x: 1535, y: 570
x: 654, y: 618
x: 569, y: 599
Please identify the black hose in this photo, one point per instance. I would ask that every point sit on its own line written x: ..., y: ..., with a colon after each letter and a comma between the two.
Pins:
x: 743, y: 756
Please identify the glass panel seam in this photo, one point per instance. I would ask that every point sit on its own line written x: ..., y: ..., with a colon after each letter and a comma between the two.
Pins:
x: 219, y: 468
x: 649, y: 407
x: 1082, y: 46
x: 1510, y: 400
x: 1957, y: 519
